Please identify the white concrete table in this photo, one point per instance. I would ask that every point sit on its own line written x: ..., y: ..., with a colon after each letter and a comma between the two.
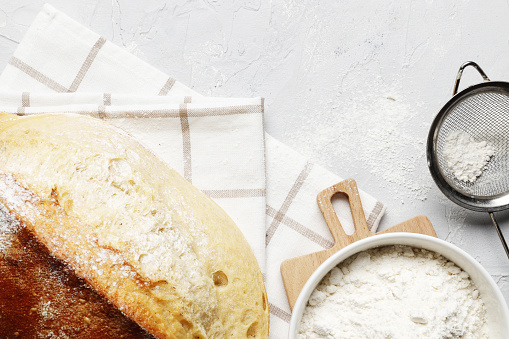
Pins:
x: 353, y: 85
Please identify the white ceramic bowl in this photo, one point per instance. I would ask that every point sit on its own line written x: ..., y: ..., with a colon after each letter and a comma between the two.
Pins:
x: 497, y: 311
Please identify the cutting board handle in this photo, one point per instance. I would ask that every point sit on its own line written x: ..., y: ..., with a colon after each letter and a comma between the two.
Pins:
x: 324, y: 198
x: 296, y: 271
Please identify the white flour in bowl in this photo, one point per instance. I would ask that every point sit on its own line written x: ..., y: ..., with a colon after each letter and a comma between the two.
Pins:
x: 465, y: 157
x: 395, y: 292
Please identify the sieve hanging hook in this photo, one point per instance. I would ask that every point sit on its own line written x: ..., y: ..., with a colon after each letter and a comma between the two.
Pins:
x: 460, y: 73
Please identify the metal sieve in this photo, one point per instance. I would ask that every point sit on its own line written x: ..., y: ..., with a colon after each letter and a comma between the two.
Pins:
x: 482, y: 111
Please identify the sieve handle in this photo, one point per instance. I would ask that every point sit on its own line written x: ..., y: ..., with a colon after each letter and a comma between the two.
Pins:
x: 460, y: 73
x: 500, y: 235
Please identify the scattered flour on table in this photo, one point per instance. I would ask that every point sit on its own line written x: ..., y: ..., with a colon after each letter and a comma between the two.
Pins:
x: 377, y: 134
x: 465, y: 157
x: 395, y: 292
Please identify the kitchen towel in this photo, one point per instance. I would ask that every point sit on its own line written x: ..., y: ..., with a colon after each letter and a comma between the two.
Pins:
x: 218, y: 144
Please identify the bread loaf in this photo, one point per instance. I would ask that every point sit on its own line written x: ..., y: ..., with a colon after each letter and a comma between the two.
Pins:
x: 41, y: 297
x: 155, y: 246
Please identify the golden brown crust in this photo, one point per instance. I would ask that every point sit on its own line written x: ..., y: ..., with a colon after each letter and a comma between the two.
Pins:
x: 49, y: 299
x: 156, y: 247
x: 43, y: 216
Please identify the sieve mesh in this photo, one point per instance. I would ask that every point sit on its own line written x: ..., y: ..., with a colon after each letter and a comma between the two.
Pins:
x: 484, y: 114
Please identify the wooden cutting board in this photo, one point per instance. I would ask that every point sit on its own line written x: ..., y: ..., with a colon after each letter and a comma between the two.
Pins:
x: 296, y: 271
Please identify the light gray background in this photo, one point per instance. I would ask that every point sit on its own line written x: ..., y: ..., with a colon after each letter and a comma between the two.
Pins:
x: 353, y: 85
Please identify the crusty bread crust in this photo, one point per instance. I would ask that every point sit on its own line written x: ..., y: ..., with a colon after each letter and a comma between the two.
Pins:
x: 50, y: 300
x: 160, y: 250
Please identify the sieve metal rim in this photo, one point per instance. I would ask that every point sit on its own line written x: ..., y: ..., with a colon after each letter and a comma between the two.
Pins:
x: 481, y: 204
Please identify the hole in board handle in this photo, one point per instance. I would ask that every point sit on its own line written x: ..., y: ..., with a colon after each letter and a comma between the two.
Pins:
x: 342, y: 209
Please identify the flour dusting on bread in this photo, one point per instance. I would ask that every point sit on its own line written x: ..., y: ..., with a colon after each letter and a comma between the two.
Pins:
x: 154, y: 245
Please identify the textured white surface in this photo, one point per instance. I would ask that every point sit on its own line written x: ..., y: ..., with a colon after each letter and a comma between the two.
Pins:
x: 352, y: 85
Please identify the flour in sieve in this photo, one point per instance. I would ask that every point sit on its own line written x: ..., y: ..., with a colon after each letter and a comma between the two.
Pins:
x: 395, y: 292
x: 465, y: 157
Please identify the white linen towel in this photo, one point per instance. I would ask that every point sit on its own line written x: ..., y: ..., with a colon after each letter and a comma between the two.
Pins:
x: 218, y: 144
